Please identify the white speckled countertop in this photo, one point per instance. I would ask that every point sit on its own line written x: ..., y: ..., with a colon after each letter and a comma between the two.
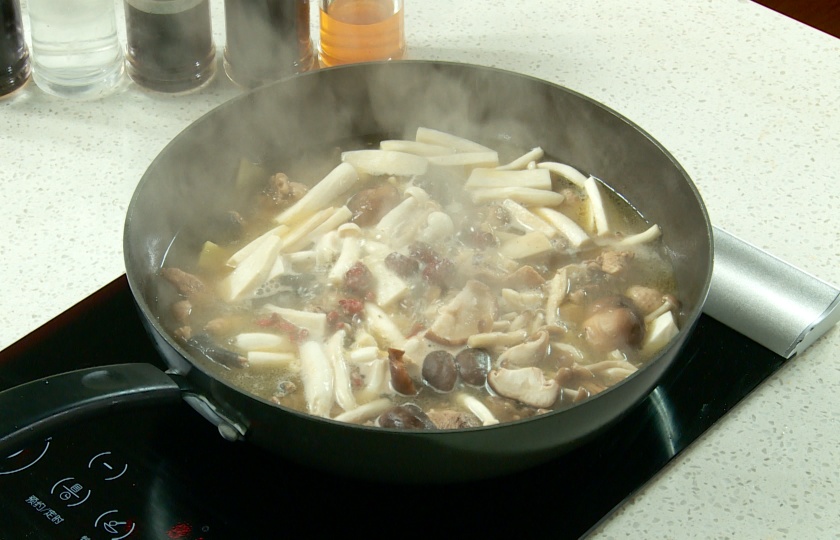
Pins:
x: 746, y: 99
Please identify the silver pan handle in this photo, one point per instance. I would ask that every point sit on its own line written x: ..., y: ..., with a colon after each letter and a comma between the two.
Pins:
x: 768, y: 300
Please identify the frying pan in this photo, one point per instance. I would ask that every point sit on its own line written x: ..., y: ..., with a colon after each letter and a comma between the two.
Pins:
x: 193, y: 179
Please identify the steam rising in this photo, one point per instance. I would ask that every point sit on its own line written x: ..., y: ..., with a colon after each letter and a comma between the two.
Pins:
x: 283, y: 123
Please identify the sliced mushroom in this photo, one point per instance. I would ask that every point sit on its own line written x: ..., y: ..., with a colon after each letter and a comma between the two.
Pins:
x: 471, y: 312
x: 556, y: 294
x: 518, y: 301
x: 522, y: 321
x: 491, y: 340
x: 574, y: 395
x: 612, y: 371
x: 525, y: 277
x: 527, y: 354
x: 525, y: 385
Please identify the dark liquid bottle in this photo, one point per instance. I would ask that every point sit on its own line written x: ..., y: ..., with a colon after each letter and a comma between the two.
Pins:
x: 266, y: 40
x: 14, y: 56
x: 169, y: 44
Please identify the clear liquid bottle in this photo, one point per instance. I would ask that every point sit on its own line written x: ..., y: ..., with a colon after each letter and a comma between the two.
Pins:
x: 14, y: 56
x: 75, y: 48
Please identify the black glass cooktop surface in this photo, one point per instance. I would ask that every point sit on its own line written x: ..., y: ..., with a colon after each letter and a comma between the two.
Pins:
x: 164, y: 472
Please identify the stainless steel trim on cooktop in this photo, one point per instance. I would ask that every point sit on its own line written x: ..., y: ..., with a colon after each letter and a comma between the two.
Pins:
x: 767, y: 299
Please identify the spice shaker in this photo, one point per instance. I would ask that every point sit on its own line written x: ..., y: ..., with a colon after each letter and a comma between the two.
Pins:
x: 361, y: 30
x: 266, y: 40
x: 14, y: 56
x: 169, y: 44
x: 75, y: 48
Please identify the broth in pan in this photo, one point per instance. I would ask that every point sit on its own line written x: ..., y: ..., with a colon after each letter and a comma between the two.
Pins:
x: 421, y: 284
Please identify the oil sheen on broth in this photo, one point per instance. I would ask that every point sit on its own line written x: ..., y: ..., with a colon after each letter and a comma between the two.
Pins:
x: 424, y: 284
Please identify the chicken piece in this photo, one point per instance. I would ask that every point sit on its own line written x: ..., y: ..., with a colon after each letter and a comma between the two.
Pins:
x: 188, y: 285
x: 181, y: 311
x: 449, y: 419
x: 651, y: 302
x: 614, y: 262
x: 370, y: 205
x: 645, y: 299
x: 280, y: 192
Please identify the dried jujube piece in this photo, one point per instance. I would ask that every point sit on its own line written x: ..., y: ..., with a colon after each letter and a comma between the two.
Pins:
x: 358, y: 279
x: 439, y: 371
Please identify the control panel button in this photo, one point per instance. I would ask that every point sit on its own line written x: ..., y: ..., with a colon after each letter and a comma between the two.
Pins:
x: 70, y: 491
x: 23, y: 459
x: 112, y: 523
x: 107, y: 465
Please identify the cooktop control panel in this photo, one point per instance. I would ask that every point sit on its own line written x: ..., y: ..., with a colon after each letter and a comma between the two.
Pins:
x: 90, y: 482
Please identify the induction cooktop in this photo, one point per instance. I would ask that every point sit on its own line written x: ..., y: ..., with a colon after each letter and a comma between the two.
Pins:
x: 164, y: 472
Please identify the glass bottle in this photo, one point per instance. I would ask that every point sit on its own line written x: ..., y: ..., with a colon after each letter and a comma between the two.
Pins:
x: 75, y: 48
x: 266, y: 40
x: 169, y: 44
x: 14, y: 56
x: 361, y: 31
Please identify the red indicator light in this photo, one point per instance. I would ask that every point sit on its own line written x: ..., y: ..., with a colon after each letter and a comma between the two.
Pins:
x: 179, y: 530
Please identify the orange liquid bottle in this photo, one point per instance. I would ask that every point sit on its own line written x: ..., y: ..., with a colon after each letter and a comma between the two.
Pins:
x: 361, y: 30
